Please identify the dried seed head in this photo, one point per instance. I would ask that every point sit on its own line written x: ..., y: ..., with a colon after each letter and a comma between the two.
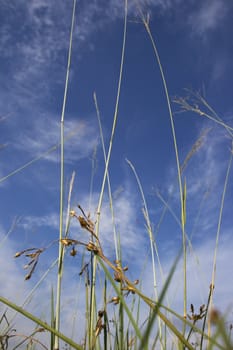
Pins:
x: 66, y: 242
x: 17, y: 254
x: 192, y: 308
x: 136, y: 282
x: 72, y: 213
x: 73, y: 252
x: 41, y: 329
x: 115, y: 300
x: 82, y: 221
x: 33, y: 255
x: 131, y: 289
x: 214, y: 316
x: 100, y: 313
x: 202, y: 308
x: 117, y: 277
x: 91, y: 247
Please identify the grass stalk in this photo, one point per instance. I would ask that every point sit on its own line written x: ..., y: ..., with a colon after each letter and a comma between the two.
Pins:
x: 157, y: 306
x: 30, y: 294
x: 114, y: 118
x: 93, y: 170
x: 152, y: 241
x: 105, y: 316
x: 38, y: 321
x: 107, y: 163
x: 61, y: 248
x: 205, y: 318
x: 39, y: 157
x: 120, y: 295
x: 68, y: 217
x: 147, y: 27
x: 188, y: 104
x: 217, y: 236
x: 148, y: 226
x: 151, y: 303
x: 52, y: 321
x: 108, y: 179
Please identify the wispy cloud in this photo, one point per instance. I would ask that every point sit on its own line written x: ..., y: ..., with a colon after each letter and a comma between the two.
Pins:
x: 208, y: 16
x: 35, y: 35
x: 199, y: 274
x: 220, y: 67
x: 204, y: 176
x: 126, y: 213
x: 81, y: 137
x: 30, y: 222
x: 209, y: 162
x: 11, y: 275
x: 133, y: 237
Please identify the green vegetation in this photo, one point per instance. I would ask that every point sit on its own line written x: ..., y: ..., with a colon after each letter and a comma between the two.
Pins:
x: 163, y: 327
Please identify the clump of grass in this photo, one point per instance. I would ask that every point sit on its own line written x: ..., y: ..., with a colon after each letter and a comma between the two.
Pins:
x: 164, y: 328
x: 127, y: 288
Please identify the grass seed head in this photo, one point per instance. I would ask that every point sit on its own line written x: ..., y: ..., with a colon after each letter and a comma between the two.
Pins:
x: 18, y: 254
x: 72, y: 213
x: 214, y: 316
x: 73, y: 251
x: 115, y: 300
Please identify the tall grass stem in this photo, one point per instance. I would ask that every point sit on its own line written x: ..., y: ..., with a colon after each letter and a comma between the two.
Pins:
x: 218, y: 234
x: 61, y: 249
x: 108, y: 159
x: 147, y: 27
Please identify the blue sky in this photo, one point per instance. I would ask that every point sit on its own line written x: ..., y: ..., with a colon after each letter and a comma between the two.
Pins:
x: 195, y: 47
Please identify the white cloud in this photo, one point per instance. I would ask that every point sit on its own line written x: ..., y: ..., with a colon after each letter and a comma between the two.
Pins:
x: 11, y: 275
x: 132, y: 237
x: 208, y: 17
x: 199, y: 274
x: 220, y: 67
x: 35, y: 38
x: 206, y: 169
x: 205, y: 180
x: 81, y: 137
x: 30, y: 222
x: 204, y: 175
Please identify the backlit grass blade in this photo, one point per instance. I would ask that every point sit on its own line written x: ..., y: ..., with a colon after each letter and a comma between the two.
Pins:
x: 109, y: 156
x: 61, y: 248
x: 147, y: 27
x: 41, y: 323
x: 218, y: 233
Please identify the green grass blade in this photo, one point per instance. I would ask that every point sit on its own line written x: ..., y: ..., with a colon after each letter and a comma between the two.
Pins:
x: 108, y: 156
x: 61, y: 248
x: 52, y: 338
x: 40, y: 323
x: 157, y: 306
x: 115, y: 286
x: 147, y: 27
x: 218, y: 233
